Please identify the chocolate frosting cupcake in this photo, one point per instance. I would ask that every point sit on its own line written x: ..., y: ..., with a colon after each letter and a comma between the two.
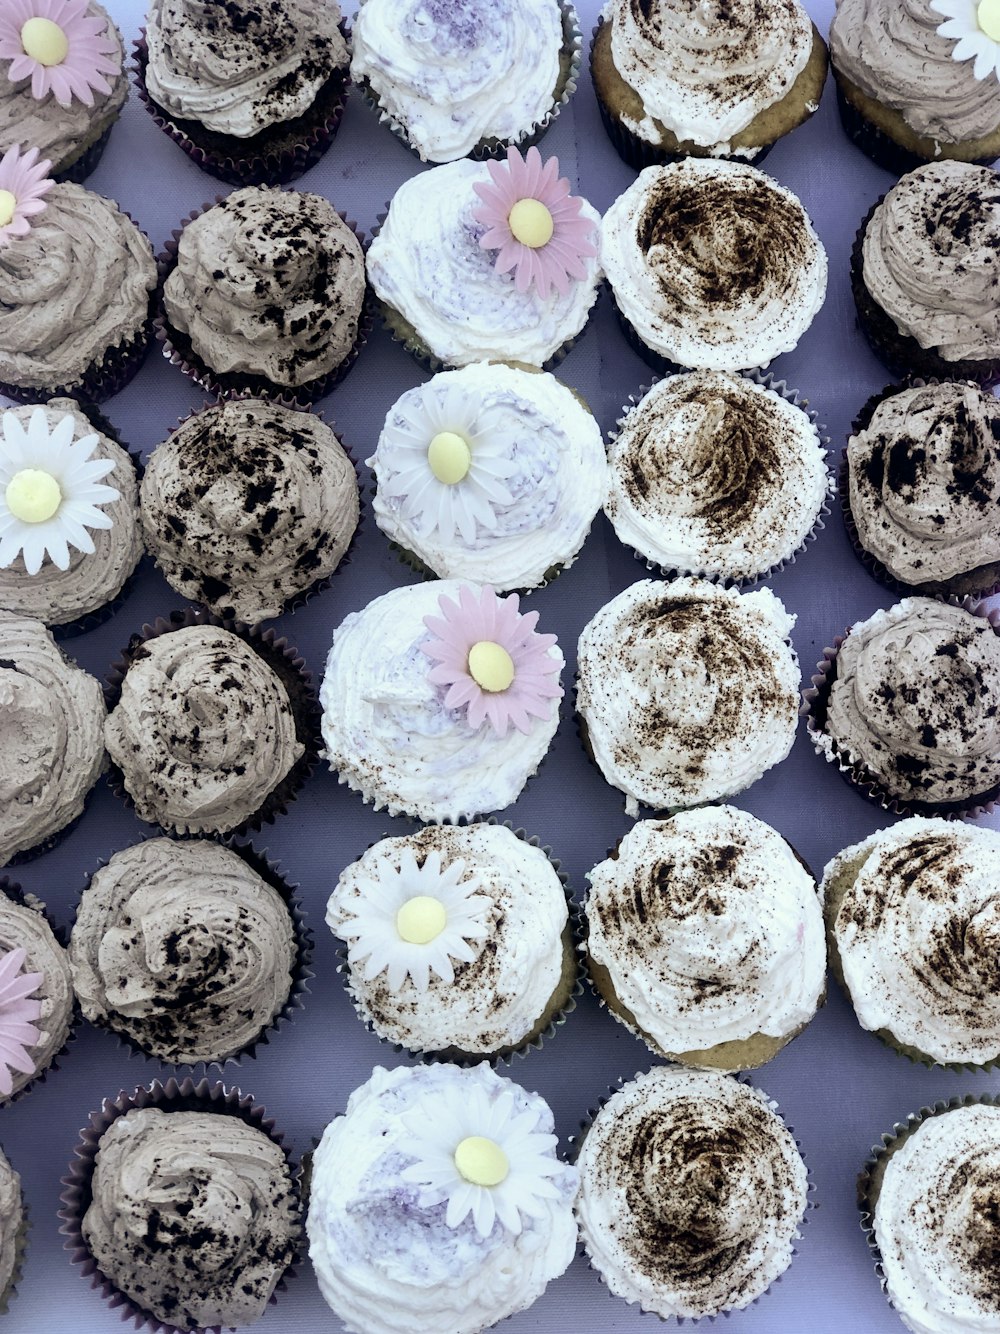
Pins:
x: 13, y: 1223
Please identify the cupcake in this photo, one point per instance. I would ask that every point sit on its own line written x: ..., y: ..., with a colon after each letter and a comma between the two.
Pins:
x: 77, y: 284
x: 692, y: 1192
x: 716, y: 475
x: 36, y: 993
x: 248, y: 506
x: 683, y: 78
x: 253, y: 92
x: 712, y: 265
x: 437, y: 1202
x: 464, y: 79
x: 51, y: 738
x: 911, y: 912
x: 705, y: 938
x: 185, y: 949
x: 491, y: 473
x: 918, y: 82
x: 211, y: 728
x: 65, y: 84
x: 924, y: 277
x: 448, y: 295
x: 907, y: 708
x: 459, y: 941
x: 929, y: 1201
x: 440, y: 700
x: 922, y: 489
x: 183, y: 1206
x: 69, y: 507
x: 265, y: 295
x: 687, y: 691
x: 13, y: 1229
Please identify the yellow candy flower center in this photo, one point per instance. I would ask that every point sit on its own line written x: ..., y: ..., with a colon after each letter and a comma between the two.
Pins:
x: 491, y: 666
x: 988, y: 18
x: 8, y: 203
x: 481, y: 1161
x: 32, y: 495
x: 421, y: 920
x: 45, y: 42
x: 450, y: 457
x: 530, y: 222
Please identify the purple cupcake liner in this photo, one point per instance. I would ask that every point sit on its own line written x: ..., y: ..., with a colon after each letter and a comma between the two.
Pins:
x: 815, y: 700
x: 177, y: 349
x: 253, y: 165
x: 767, y: 380
x: 78, y: 171
x: 269, y: 871
x: 17, y: 895
x: 76, y: 1195
x: 506, y: 1055
x: 287, y: 665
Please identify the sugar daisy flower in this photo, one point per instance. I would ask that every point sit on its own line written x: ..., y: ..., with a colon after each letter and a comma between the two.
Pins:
x: 18, y: 1011
x: 975, y: 25
x: 23, y: 181
x: 58, y: 46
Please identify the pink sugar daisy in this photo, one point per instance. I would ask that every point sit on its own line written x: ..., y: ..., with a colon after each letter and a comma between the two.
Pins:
x: 17, y: 1011
x: 23, y: 181
x: 481, y: 635
x: 545, y: 244
x: 84, y: 62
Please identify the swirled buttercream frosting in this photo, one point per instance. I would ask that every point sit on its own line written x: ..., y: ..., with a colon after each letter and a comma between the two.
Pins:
x: 713, y: 264
x: 247, y: 504
x: 76, y: 285
x: 203, y: 731
x: 502, y: 983
x: 924, y: 482
x: 929, y: 259
x: 184, y: 948
x: 706, y: 68
x: 893, y: 52
x: 710, y: 930
x: 268, y: 282
x: 23, y: 926
x: 389, y: 733
x: 12, y: 1223
x: 535, y: 478
x: 915, y: 915
x: 935, y: 1222
x: 691, y: 1193
x: 713, y: 474
x: 688, y: 691
x: 427, y: 264
x: 385, y: 1255
x: 914, y: 703
x: 194, y: 1215
x: 51, y: 736
x: 240, y: 66
x: 455, y: 72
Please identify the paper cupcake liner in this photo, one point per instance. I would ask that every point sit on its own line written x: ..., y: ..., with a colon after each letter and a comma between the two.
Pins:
x: 14, y: 891
x: 287, y: 665
x: 294, y: 146
x: 269, y: 871
x: 81, y: 167
x: 639, y: 153
x: 815, y: 700
x: 177, y: 349
x: 767, y: 380
x: 566, y: 86
x: 900, y: 352
x: 505, y: 1055
x: 76, y: 1195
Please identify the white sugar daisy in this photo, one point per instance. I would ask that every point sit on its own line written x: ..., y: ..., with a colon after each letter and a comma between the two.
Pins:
x: 975, y: 26
x: 50, y: 491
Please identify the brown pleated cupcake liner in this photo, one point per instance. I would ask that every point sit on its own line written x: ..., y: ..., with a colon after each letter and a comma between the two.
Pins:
x: 767, y: 380
x: 269, y: 871
x: 287, y: 665
x: 815, y: 701
x: 78, y: 170
x: 883, y: 150
x: 292, y: 148
x: 76, y: 1194
x: 177, y: 348
x: 566, y: 86
x: 14, y: 891
x: 505, y: 1055
x: 899, y: 352
x: 640, y: 153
